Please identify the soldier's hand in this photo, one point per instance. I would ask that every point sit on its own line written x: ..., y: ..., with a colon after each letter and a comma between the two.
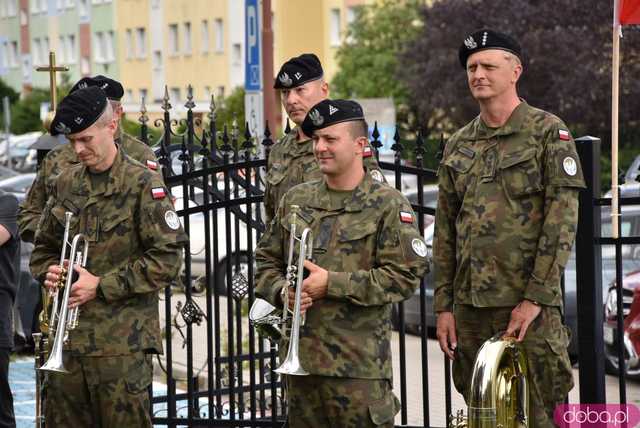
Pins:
x: 446, y: 333
x: 305, y: 300
x: 316, y: 284
x: 521, y: 318
x: 54, y: 273
x: 84, y: 289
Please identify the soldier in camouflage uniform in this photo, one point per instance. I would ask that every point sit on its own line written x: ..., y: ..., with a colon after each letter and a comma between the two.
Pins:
x: 367, y: 254
x: 301, y: 84
x: 63, y: 157
x: 505, y: 223
x: 135, y: 250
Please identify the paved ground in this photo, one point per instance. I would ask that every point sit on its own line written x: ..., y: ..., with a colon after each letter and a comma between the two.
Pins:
x: 23, y: 383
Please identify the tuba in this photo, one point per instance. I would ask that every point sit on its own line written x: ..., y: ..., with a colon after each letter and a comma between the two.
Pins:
x: 499, y: 392
x: 270, y: 321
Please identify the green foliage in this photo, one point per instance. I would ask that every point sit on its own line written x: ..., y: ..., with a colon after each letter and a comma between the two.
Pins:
x: 368, y: 60
x: 231, y: 108
x: 25, y: 114
x: 7, y: 91
x: 134, y: 128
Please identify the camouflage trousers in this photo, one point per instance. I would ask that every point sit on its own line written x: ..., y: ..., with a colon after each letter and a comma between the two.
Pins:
x: 545, y: 344
x: 333, y: 402
x: 100, y: 392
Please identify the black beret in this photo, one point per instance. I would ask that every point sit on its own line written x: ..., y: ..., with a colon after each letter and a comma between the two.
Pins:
x: 298, y: 71
x: 78, y: 111
x: 329, y: 112
x: 112, y: 88
x: 487, y: 39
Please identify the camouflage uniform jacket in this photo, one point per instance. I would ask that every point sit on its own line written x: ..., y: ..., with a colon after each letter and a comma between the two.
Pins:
x: 135, y: 247
x: 373, y: 259
x: 507, y: 212
x: 59, y: 159
x: 292, y: 162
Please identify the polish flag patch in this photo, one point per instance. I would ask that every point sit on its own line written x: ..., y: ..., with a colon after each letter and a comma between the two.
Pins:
x: 158, y: 193
x: 406, y: 217
x: 152, y: 165
x: 367, y: 152
x: 564, y: 135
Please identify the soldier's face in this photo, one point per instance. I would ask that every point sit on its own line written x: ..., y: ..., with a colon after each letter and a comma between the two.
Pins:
x: 297, y: 101
x: 336, y: 150
x: 492, y: 73
x: 94, y: 146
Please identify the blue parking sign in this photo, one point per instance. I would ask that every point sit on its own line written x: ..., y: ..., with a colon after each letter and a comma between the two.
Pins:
x: 253, y: 68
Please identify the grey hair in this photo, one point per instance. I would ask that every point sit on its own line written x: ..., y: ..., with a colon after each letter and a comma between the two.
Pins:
x: 106, y: 117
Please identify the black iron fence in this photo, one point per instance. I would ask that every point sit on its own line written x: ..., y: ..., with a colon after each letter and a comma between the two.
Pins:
x: 217, y: 372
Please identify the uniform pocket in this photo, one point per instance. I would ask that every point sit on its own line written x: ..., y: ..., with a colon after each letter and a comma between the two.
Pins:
x: 275, y: 175
x: 521, y: 173
x: 140, y: 374
x: 384, y: 410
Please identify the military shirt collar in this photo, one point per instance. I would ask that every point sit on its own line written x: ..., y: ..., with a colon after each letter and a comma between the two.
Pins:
x: 512, y: 126
x: 321, y: 199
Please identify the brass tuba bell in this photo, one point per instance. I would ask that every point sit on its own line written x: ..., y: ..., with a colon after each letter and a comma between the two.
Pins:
x: 499, y: 392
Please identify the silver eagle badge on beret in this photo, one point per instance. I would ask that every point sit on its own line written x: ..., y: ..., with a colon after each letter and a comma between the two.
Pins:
x: 316, y: 117
x: 62, y: 128
x: 285, y: 79
x: 470, y: 43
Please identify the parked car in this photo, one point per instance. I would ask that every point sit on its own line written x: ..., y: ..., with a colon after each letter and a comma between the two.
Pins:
x: 20, y: 151
x: 631, y: 326
x: 7, y: 172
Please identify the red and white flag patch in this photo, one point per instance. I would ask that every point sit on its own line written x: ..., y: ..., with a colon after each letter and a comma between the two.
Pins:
x: 152, y: 165
x: 564, y: 135
x: 158, y: 193
x: 406, y: 217
x: 367, y: 152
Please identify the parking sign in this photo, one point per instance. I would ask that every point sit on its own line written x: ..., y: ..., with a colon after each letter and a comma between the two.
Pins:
x: 253, y: 69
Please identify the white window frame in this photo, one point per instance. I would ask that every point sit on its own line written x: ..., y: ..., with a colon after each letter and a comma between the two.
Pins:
x: 174, y: 40
x: 335, y: 30
x: 204, y: 36
x: 72, y: 58
x: 141, y: 42
x: 129, y: 44
x: 219, y: 35
x: 187, y: 47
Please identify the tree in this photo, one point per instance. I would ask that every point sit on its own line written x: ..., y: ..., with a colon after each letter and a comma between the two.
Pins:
x: 567, y: 67
x: 367, y: 61
x: 7, y: 91
x: 25, y: 114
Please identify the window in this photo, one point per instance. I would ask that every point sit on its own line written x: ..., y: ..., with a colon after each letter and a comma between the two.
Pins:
x: 173, y: 39
x: 187, y: 38
x: 99, y: 47
x: 85, y: 65
x: 36, y: 51
x: 71, y: 4
x: 62, y: 57
x: 129, y: 96
x: 236, y: 54
x: 219, y: 31
x: 83, y: 7
x: 204, y: 36
x: 143, y: 95
x: 35, y: 6
x: 43, y: 6
x: 141, y: 40
x: 207, y: 93
x: 174, y: 95
x: 12, y: 8
x: 351, y: 14
x: 13, y: 54
x: 334, y: 27
x: 110, y: 49
x: 4, y: 55
x: 157, y: 60
x: 220, y: 92
x: 129, y: 43
x: 71, y: 48
x: 60, y: 4
x: 3, y: 9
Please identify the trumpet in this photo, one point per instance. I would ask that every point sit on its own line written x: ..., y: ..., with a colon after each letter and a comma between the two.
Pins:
x: 61, y: 318
x: 265, y: 317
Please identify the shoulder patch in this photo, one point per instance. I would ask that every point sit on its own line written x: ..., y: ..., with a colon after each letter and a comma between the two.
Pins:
x: 158, y: 193
x: 419, y: 247
x: 570, y: 166
x: 367, y: 152
x: 152, y: 165
x: 564, y: 135
x: 377, y: 175
x: 172, y: 220
x: 406, y: 217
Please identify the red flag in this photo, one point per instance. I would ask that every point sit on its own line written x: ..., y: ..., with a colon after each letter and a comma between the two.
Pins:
x: 629, y: 12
